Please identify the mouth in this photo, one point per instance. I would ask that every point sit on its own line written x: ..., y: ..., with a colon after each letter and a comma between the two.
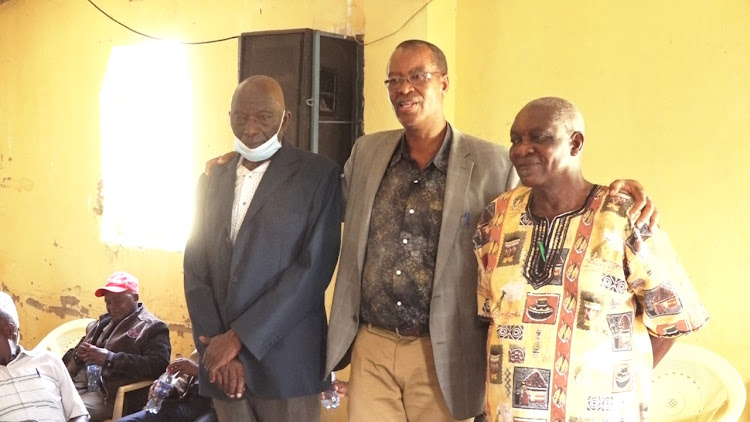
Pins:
x: 406, y: 105
x: 525, y: 167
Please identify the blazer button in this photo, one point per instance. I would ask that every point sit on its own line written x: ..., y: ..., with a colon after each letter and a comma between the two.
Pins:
x: 355, y: 318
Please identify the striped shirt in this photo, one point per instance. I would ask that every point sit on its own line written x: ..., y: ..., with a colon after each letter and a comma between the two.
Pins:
x: 36, y: 386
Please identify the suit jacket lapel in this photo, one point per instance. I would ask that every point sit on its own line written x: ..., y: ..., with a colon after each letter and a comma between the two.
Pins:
x: 455, y: 215
x: 375, y: 173
x: 283, y: 165
x: 221, y: 193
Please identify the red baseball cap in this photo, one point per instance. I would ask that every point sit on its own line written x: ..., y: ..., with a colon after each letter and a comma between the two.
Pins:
x: 119, y: 282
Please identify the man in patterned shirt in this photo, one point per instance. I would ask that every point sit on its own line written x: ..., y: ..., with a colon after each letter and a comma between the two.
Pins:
x: 581, y: 303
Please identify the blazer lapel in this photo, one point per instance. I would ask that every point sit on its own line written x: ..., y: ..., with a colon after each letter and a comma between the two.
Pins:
x: 221, y: 192
x: 376, y: 171
x: 455, y: 213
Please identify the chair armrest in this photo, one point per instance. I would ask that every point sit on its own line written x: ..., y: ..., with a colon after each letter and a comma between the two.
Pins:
x: 120, y: 398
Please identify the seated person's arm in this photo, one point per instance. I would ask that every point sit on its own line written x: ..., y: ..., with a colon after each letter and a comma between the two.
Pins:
x: 154, y: 358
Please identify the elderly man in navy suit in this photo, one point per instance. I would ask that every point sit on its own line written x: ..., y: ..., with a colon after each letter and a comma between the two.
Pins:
x: 262, y: 252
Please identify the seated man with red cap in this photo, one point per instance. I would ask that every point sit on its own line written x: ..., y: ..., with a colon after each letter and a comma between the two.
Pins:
x: 128, y: 342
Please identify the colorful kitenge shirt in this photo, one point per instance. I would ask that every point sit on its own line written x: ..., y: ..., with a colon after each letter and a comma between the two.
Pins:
x: 571, y: 304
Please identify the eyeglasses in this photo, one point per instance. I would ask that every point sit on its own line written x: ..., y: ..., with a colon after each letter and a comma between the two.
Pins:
x: 414, y: 79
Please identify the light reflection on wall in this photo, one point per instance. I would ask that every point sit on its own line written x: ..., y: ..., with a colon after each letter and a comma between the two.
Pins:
x: 147, y: 146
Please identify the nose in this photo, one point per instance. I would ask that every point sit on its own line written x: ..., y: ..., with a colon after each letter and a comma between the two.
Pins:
x: 251, y: 127
x: 523, y: 148
x: 404, y: 87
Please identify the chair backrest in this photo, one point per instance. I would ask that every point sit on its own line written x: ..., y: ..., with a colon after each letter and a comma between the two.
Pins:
x: 695, y: 384
x: 64, y: 337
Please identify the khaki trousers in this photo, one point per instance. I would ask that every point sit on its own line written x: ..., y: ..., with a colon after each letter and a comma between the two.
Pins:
x: 393, y: 379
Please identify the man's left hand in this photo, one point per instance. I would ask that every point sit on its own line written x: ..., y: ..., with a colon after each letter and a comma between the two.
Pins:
x: 641, y: 202
x: 221, y: 349
x: 92, y: 354
x: 231, y: 378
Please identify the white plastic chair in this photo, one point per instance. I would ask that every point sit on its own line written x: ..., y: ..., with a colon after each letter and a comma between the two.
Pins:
x: 64, y: 337
x: 695, y: 384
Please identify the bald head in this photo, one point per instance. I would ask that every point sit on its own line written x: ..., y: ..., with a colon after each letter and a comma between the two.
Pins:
x: 560, y: 111
x: 260, y: 87
x: 258, y: 110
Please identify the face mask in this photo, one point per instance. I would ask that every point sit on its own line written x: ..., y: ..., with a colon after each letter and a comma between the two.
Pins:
x: 262, y: 152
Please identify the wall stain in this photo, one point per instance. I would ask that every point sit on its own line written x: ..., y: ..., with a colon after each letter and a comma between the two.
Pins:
x: 180, y: 329
x: 60, y: 311
x: 99, y: 208
x: 69, y: 301
x: 16, y: 299
x: 22, y: 184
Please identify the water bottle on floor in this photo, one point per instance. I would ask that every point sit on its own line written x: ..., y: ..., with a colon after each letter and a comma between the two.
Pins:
x: 331, y: 398
x: 161, y: 391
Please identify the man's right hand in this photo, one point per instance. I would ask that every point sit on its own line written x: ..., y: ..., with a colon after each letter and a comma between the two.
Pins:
x: 231, y: 378
x: 221, y: 349
x: 341, y: 387
x: 220, y: 160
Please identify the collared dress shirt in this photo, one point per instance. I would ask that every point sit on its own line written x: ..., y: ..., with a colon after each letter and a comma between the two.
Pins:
x: 402, y: 247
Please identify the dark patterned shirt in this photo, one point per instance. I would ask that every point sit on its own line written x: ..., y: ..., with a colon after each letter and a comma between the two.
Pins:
x: 403, y: 241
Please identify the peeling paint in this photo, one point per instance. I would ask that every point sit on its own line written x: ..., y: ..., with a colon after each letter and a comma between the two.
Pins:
x: 99, y: 208
x: 22, y: 184
x: 16, y: 298
x: 60, y: 311
x: 69, y: 301
x: 180, y: 329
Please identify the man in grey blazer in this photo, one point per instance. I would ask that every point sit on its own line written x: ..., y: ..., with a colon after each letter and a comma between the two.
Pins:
x: 263, y: 250
x: 404, y: 306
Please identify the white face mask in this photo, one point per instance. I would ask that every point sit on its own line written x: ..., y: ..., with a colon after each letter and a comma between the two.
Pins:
x: 262, y: 152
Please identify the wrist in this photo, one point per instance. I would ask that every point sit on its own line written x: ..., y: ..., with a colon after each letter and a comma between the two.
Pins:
x: 109, y: 362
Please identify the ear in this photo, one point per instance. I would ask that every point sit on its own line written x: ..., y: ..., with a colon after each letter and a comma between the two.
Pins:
x: 285, y: 121
x: 576, y: 143
x: 444, y: 84
x: 8, y: 329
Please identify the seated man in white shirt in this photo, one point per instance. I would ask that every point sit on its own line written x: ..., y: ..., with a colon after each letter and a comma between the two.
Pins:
x: 33, y: 385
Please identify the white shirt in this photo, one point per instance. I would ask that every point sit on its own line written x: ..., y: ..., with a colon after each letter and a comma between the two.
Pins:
x: 36, y: 386
x: 245, y: 187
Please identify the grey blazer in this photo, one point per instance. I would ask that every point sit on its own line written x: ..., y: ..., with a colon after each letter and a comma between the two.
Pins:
x: 478, y: 172
x: 270, y: 286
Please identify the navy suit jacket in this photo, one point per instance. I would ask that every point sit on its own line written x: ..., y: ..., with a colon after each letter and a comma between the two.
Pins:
x: 270, y: 286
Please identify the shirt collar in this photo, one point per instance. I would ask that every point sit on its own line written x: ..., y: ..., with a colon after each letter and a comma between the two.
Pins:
x: 242, y: 170
x: 440, y: 160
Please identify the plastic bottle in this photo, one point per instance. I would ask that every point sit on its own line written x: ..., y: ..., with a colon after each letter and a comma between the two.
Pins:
x: 161, y: 391
x: 93, y: 377
x: 331, y: 398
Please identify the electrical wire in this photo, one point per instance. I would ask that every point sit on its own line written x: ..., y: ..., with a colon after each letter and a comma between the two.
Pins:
x: 156, y: 38
x: 399, y: 28
x: 237, y: 36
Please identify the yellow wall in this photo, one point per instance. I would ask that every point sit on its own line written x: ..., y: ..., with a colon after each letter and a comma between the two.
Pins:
x: 662, y: 85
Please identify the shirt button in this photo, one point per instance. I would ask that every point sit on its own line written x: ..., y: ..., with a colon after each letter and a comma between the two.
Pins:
x: 411, y: 211
x: 416, y: 180
x: 405, y: 241
x: 398, y: 272
x: 398, y: 303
